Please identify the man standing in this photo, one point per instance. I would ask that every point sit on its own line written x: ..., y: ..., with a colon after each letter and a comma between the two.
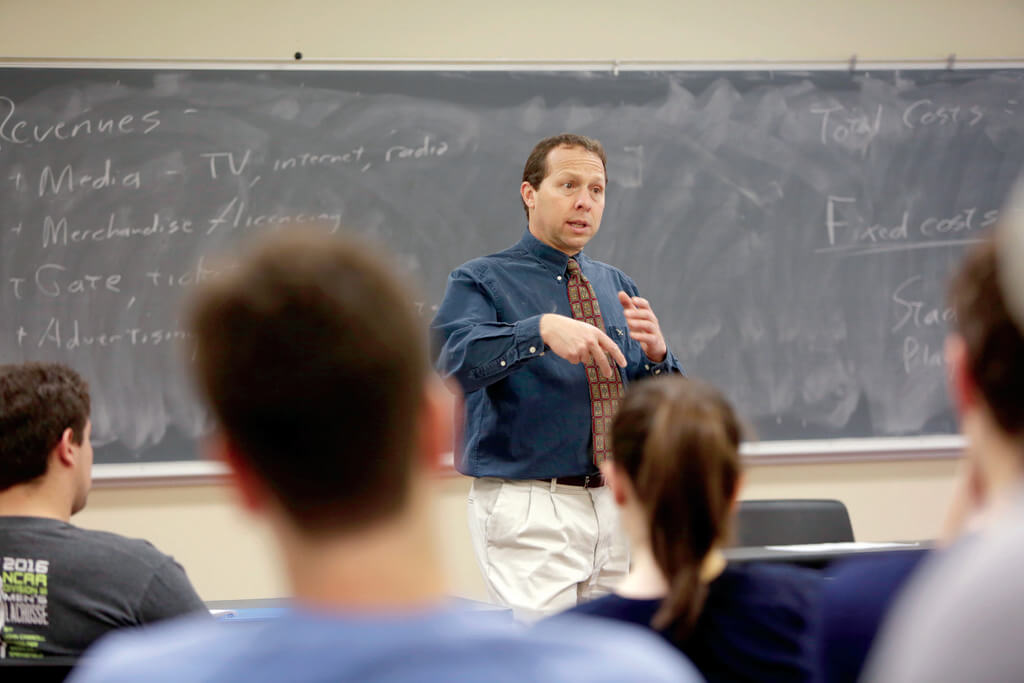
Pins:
x: 64, y: 587
x: 542, y: 340
x: 330, y: 421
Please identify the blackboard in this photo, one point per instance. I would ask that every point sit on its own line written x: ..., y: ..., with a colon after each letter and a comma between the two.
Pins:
x: 793, y: 229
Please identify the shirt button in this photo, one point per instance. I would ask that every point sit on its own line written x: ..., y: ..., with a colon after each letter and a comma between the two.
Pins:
x: 646, y: 366
x: 559, y: 278
x: 503, y: 363
x: 533, y: 349
x: 657, y: 372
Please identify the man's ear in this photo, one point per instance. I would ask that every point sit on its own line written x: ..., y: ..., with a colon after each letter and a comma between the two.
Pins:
x: 529, y: 194
x: 962, y: 388
x: 64, y: 451
x: 442, y: 406
x: 250, y: 489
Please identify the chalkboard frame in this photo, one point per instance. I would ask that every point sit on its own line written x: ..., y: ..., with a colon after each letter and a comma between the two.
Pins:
x: 756, y: 453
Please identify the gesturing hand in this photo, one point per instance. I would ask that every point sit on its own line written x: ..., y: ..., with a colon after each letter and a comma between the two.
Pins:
x: 579, y: 342
x: 643, y: 326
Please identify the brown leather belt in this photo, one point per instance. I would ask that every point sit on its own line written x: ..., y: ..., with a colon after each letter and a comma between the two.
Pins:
x: 587, y: 481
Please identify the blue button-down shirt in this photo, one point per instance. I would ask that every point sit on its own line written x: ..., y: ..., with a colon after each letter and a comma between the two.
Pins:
x: 527, y: 411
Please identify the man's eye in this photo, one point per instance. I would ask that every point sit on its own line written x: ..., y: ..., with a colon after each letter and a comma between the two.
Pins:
x: 568, y: 186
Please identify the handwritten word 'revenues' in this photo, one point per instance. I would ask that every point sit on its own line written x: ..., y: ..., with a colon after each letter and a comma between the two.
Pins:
x: 18, y: 131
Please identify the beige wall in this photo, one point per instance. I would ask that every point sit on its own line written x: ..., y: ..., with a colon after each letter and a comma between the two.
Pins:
x: 228, y: 556
x: 225, y: 556
x: 527, y: 29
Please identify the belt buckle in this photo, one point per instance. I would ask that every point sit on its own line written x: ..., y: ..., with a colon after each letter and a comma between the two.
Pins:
x: 586, y: 481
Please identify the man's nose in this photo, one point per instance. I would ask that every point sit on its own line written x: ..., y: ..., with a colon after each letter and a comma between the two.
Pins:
x: 583, y: 199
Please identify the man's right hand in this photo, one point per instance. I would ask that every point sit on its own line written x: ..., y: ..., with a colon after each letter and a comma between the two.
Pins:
x: 580, y: 342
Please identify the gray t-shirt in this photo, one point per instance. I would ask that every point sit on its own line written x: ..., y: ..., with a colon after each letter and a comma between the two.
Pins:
x: 63, y: 587
x: 962, y: 617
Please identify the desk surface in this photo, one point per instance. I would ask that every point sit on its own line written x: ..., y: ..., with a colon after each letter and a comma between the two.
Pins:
x: 822, y: 554
x: 271, y: 608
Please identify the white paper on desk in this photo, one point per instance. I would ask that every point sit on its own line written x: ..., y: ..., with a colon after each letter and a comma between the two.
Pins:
x: 827, y: 547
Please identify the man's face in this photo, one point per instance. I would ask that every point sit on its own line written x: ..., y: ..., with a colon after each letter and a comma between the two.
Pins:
x: 565, y: 211
x: 84, y: 469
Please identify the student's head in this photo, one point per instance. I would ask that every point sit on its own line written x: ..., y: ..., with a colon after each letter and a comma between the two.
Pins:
x: 1010, y: 238
x: 563, y: 189
x: 676, y: 440
x: 312, y: 357
x: 986, y: 350
x: 44, y: 428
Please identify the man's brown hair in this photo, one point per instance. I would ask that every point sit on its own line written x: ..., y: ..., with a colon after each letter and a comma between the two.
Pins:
x: 38, y: 401
x: 536, y: 168
x: 314, y: 362
x: 995, y: 345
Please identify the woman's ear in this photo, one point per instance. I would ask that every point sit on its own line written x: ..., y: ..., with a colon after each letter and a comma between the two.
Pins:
x: 961, y: 384
x: 740, y: 481
x: 616, y: 481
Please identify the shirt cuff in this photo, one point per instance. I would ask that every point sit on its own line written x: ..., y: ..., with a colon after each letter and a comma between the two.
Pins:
x: 527, y: 340
x: 665, y: 367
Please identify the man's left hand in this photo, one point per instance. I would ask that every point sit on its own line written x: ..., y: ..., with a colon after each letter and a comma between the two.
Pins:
x: 643, y: 326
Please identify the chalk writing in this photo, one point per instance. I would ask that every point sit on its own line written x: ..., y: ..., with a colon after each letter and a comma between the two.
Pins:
x: 328, y: 159
x: 53, y: 183
x: 427, y: 149
x: 850, y: 127
x: 913, y: 311
x: 927, y: 113
x: 920, y: 356
x: 186, y: 279
x: 57, y: 232
x: 22, y: 132
x: 235, y: 215
x: 849, y: 232
x: 51, y: 281
x: 72, y: 335
x: 229, y: 157
x: 962, y: 221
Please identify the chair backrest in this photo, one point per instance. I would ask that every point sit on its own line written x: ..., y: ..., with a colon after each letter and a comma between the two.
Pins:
x: 788, y: 522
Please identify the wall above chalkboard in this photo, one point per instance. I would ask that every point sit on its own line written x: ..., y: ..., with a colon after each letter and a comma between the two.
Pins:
x: 793, y: 229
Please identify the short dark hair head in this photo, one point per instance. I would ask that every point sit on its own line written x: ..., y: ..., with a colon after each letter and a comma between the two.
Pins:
x: 38, y: 402
x: 994, y: 344
x: 536, y: 168
x: 314, y: 362
x: 678, y: 441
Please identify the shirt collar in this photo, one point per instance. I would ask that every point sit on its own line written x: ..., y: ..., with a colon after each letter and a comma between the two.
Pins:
x: 549, y: 257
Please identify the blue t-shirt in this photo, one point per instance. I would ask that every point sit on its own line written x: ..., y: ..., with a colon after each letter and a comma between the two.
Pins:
x: 757, y: 623
x: 854, y: 604
x: 427, y: 646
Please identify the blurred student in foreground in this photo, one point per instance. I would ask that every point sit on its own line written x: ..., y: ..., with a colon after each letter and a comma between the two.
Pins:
x: 63, y: 586
x: 675, y: 475
x: 962, y: 616
x: 331, y: 423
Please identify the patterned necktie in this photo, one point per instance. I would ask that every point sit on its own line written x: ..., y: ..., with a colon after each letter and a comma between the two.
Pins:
x: 605, y: 394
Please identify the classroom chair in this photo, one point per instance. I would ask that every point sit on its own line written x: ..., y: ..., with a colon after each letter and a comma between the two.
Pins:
x: 789, y: 522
